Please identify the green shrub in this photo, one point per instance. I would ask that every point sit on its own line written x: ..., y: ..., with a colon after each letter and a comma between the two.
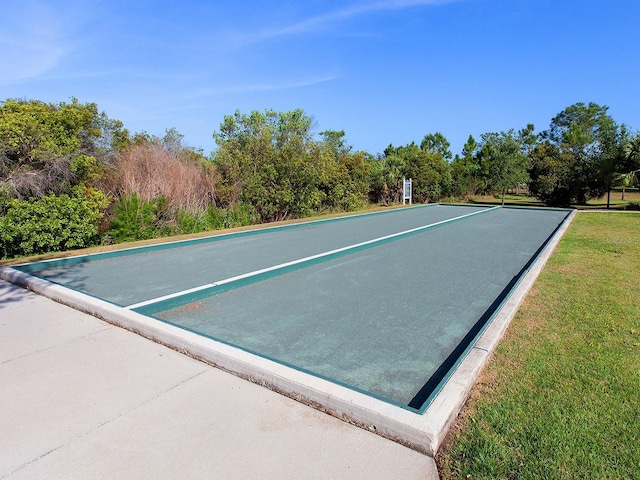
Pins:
x: 136, y: 219
x: 238, y: 215
x: 188, y: 223
x: 52, y: 223
x: 214, y: 218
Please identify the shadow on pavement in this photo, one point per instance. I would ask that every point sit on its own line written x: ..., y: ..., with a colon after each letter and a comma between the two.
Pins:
x: 10, y: 293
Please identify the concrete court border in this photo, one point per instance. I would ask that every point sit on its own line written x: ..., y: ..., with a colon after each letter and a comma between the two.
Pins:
x: 422, y: 432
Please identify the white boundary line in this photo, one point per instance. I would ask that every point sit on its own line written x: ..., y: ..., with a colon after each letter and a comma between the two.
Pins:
x: 300, y: 260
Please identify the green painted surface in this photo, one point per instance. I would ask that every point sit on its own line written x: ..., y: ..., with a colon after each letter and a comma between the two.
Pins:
x: 385, y: 319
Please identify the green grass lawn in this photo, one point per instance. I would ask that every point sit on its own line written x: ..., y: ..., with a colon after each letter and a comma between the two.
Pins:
x: 616, y: 202
x: 560, y: 397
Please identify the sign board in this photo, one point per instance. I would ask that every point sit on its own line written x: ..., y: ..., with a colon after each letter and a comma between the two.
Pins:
x: 406, y: 190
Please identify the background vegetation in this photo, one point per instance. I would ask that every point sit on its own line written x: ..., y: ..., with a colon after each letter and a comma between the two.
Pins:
x: 72, y: 177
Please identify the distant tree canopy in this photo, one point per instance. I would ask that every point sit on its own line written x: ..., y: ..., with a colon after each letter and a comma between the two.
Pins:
x: 577, y: 157
x: 425, y: 165
x: 505, y: 157
x: 496, y: 164
x: 630, y: 171
x: 271, y: 162
x: 468, y: 174
x: 47, y: 148
x: 70, y: 176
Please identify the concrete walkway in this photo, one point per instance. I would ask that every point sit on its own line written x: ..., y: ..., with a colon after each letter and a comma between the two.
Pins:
x: 80, y: 398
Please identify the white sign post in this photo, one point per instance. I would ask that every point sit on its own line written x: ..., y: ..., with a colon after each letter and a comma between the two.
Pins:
x: 407, y: 187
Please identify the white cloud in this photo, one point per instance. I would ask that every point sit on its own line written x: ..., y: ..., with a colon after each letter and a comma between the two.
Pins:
x: 350, y: 12
x: 30, y: 41
x: 318, y: 22
x: 37, y: 35
x: 261, y: 87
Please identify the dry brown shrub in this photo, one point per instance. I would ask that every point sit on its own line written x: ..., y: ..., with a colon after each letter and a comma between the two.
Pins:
x: 150, y: 172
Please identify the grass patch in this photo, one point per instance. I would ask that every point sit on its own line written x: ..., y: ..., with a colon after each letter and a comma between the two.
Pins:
x: 616, y: 203
x: 509, y: 199
x: 561, y: 396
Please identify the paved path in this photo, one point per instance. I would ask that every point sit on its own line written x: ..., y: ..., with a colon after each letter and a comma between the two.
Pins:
x: 80, y: 398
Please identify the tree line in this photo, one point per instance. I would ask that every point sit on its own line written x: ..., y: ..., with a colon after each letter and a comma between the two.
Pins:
x: 71, y: 177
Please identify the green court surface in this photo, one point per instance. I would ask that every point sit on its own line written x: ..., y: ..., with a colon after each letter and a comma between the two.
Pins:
x: 385, y: 304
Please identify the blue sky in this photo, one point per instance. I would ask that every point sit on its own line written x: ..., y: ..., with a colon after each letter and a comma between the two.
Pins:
x: 387, y: 71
